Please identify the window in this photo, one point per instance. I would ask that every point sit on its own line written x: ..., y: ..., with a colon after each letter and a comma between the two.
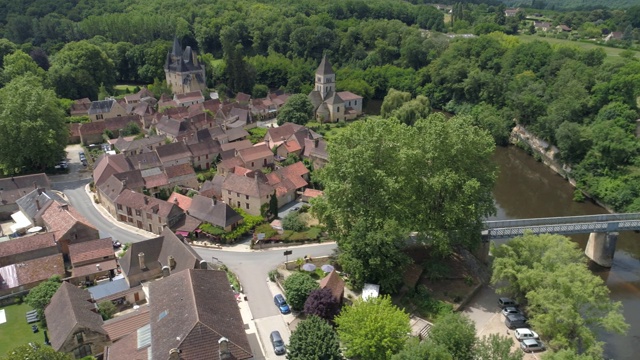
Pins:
x: 99, y: 117
x: 265, y: 162
x: 239, y: 204
x: 355, y: 102
x: 246, y: 197
x: 149, y: 216
x: 82, y: 351
x: 247, y: 204
x: 237, y: 194
x: 229, y: 201
x: 138, y: 213
x: 229, y: 192
x: 198, y: 158
x: 206, y: 157
x: 119, y: 207
x: 319, y: 79
x: 252, y: 164
x: 79, y: 337
x: 338, y: 109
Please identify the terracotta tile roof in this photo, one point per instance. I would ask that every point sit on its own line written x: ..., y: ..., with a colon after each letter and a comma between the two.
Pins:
x: 156, y: 181
x: 70, y: 308
x: 127, y: 348
x: 291, y: 146
x: 179, y: 170
x: 283, y: 132
x: 111, y: 188
x: 92, y: 128
x: 297, y: 169
x: 312, y: 193
x: 229, y: 164
x: 188, y: 224
x: 108, y: 165
x: 190, y: 96
x: 184, y: 202
x: 255, y: 153
x: 173, y: 151
x: 40, y: 269
x: 74, y: 129
x: 147, y: 204
x: 333, y: 282
x: 123, y: 325
x: 348, y: 95
x: 26, y: 243
x: 237, y: 145
x: 239, y: 170
x: 246, y: 186
x: 84, y: 270
x: 212, y: 188
x: 59, y: 219
x: 120, y: 122
x: 242, y: 97
x: 192, y: 310
x: 91, y: 250
x: 145, y: 160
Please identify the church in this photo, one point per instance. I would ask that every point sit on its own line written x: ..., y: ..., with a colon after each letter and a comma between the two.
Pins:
x: 328, y: 104
x: 183, y: 72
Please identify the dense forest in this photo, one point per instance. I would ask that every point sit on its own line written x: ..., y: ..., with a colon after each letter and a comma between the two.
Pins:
x: 582, y: 101
x: 572, y: 4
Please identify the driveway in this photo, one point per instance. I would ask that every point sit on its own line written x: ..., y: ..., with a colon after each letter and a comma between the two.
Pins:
x: 77, y: 171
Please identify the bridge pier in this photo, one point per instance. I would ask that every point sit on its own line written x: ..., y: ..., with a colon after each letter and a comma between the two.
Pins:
x: 601, y: 247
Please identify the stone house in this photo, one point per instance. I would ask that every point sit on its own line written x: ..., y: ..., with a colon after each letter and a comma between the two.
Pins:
x: 145, y: 260
x: 204, y: 154
x: 138, y: 146
x: 107, y: 165
x: 137, y: 97
x: 15, y: 187
x: 330, y: 105
x: 183, y: 72
x: 288, y: 181
x: 74, y: 324
x: 92, y: 260
x: 182, y: 175
x: 316, y: 151
x: 247, y: 193
x: 34, y: 203
x: 145, y: 212
x: 67, y: 225
x: 188, y: 99
x: 27, y: 248
x: 104, y: 109
x: 256, y: 157
x: 27, y: 274
x: 174, y: 154
x: 214, y: 212
x: 80, y: 107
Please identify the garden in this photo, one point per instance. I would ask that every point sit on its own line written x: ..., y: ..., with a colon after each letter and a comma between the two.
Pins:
x: 15, y: 331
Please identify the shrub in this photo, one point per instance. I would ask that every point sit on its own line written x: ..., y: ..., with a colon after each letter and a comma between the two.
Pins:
x: 297, y: 288
x: 293, y: 222
x: 106, y: 309
x: 322, y: 303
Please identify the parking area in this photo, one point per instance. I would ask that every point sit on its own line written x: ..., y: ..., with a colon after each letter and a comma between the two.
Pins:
x: 77, y: 170
x: 278, y: 323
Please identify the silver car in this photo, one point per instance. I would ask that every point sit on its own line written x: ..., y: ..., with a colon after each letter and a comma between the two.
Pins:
x: 531, y: 345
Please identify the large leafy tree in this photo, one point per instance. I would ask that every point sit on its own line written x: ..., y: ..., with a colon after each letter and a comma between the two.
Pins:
x: 374, y: 329
x: 35, y: 352
x: 297, y: 288
x: 40, y: 296
x: 434, y: 178
x: 18, y: 64
x: 566, y: 302
x: 298, y: 110
x: 314, y: 339
x: 415, y: 349
x: 496, y: 347
x: 322, y: 303
x: 78, y: 69
x: 457, y: 334
x: 32, y: 129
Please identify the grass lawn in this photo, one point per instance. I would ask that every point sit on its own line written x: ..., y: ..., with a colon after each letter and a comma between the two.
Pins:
x: 122, y: 89
x: 16, y: 331
x: 611, y: 52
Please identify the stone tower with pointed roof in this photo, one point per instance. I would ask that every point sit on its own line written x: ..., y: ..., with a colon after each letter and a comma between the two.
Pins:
x: 182, y: 70
x: 329, y: 105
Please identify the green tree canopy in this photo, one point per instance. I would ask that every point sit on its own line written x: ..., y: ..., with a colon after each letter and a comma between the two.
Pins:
x: 566, y: 302
x: 18, y: 64
x: 298, y: 110
x: 374, y: 329
x: 394, y: 100
x: 78, y: 69
x: 35, y: 352
x: 314, y: 339
x: 415, y: 349
x: 434, y: 178
x: 40, y: 296
x: 456, y: 333
x: 33, y: 133
x: 297, y: 288
x: 107, y: 309
x: 496, y: 347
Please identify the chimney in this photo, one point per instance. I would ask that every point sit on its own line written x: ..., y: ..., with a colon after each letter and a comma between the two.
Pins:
x: 40, y: 191
x: 174, y: 354
x: 315, y: 142
x: 175, y: 200
x: 141, y: 261
x: 223, y: 348
x: 146, y: 200
x: 98, y: 267
x: 38, y: 204
x: 166, y: 271
x: 171, y: 262
x: 203, y: 265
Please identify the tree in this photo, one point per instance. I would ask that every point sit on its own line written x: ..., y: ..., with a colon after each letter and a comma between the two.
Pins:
x: 374, y: 329
x: 106, y: 309
x: 566, y: 301
x: 297, y: 288
x: 259, y: 91
x: 293, y: 222
x: 273, y: 204
x: 394, y: 100
x: 434, y: 178
x: 40, y: 296
x: 35, y: 352
x: 456, y: 333
x: 32, y: 129
x: 18, y: 64
x: 313, y: 339
x: 131, y: 128
x: 298, y: 110
x: 412, y: 110
x: 496, y: 347
x: 78, y: 69
x: 323, y: 304
x: 415, y: 349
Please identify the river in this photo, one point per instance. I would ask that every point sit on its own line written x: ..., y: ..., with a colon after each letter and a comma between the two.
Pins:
x: 526, y: 188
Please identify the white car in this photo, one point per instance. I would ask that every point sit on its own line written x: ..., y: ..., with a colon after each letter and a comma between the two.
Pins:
x: 524, y: 333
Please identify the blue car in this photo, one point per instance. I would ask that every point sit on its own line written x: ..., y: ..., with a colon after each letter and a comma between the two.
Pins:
x: 281, y: 303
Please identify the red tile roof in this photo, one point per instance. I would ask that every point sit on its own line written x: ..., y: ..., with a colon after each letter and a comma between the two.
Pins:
x: 184, y: 202
x: 333, y: 282
x: 62, y: 218
x: 82, y: 271
x: 255, y: 153
x: 39, y: 269
x: 91, y: 250
x: 297, y: 169
x: 312, y: 193
x: 179, y: 170
x: 26, y: 243
x: 126, y: 324
x: 145, y: 203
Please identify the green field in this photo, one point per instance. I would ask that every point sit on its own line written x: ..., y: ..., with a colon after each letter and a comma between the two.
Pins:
x: 16, y: 331
x: 612, y: 53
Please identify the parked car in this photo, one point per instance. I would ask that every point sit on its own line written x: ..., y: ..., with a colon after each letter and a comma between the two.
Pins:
x: 116, y: 243
x: 281, y: 303
x: 515, y: 321
x: 505, y: 302
x: 531, y: 345
x: 524, y: 333
x: 510, y: 310
x: 278, y: 343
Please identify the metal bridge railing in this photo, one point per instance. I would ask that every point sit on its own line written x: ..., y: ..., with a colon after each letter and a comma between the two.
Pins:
x: 565, y: 229
x: 560, y: 220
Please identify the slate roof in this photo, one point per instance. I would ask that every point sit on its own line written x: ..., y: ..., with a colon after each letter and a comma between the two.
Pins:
x: 13, y: 188
x: 210, y: 147
x: 192, y: 310
x: 101, y: 106
x: 91, y: 250
x: 184, y: 202
x: 60, y: 218
x: 334, y: 99
x: 213, y: 212
x: 212, y: 188
x: 126, y: 324
x: 70, y: 306
x: 131, y: 179
x: 26, y: 243
x: 107, y: 165
x: 156, y: 251
x: 325, y: 67
x: 237, y: 133
x: 333, y: 282
x: 36, y: 201
x: 173, y: 151
x: 246, y: 186
x: 111, y: 188
x: 255, y: 153
x: 145, y: 160
x: 236, y: 145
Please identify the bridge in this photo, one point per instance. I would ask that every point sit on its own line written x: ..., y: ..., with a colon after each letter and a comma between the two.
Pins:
x: 603, y: 229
